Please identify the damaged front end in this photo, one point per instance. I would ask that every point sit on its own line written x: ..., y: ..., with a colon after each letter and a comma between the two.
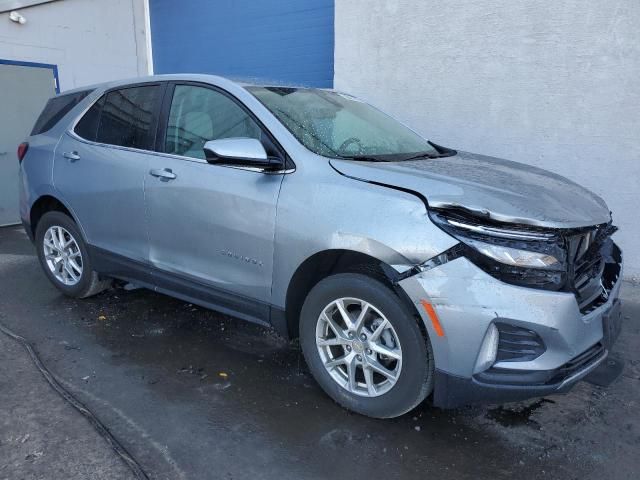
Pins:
x: 584, y: 261
x: 496, y: 341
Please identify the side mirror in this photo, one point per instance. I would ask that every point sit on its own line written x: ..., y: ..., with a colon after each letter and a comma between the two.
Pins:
x: 246, y: 152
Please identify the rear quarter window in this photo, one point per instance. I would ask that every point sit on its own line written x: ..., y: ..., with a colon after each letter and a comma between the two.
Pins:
x: 55, y: 109
x: 87, y: 126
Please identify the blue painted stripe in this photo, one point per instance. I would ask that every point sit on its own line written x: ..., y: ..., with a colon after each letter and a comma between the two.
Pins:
x: 276, y: 41
x: 19, y: 63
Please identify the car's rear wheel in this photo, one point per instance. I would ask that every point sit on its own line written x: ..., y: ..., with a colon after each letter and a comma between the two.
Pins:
x: 365, y: 347
x: 64, y: 257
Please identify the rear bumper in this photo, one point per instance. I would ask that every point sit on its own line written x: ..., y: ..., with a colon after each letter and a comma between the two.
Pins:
x: 24, y: 204
x: 27, y: 228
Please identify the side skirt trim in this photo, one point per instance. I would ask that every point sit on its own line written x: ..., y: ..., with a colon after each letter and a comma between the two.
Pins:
x: 168, y: 283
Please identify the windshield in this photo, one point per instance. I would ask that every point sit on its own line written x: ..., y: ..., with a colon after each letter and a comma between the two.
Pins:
x: 341, y: 126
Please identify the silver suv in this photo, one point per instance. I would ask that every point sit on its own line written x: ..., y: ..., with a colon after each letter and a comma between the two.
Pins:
x: 405, y: 268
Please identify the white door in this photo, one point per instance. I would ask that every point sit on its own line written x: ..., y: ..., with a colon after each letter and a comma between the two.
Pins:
x: 24, y: 90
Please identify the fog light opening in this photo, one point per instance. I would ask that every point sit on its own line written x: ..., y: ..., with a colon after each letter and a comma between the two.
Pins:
x: 488, y: 350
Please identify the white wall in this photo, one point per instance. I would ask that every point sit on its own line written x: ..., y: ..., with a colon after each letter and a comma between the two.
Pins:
x: 553, y: 84
x: 90, y: 41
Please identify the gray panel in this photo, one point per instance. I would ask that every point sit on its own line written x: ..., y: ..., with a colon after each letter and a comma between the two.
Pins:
x: 8, y: 5
x: 104, y: 186
x: 213, y: 224
x: 23, y: 93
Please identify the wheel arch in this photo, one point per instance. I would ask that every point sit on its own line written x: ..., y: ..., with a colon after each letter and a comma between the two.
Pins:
x: 49, y: 203
x: 322, y: 264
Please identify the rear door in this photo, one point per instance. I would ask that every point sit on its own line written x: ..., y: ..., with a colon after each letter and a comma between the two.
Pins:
x: 24, y: 90
x: 100, y: 168
x: 211, y: 227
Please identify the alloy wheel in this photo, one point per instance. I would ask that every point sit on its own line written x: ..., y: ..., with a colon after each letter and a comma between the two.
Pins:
x: 358, y: 347
x: 62, y: 255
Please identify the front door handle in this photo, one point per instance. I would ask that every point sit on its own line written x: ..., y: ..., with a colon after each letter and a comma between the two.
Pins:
x: 163, y: 173
x: 72, y: 156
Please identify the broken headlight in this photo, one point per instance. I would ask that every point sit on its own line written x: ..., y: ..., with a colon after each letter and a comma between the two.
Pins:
x: 518, y: 254
x: 513, y: 256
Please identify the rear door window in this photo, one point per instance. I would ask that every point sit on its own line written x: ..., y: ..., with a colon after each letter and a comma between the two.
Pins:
x: 55, y: 109
x: 128, y: 117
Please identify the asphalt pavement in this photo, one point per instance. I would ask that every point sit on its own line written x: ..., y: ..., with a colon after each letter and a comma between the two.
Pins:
x: 195, y: 394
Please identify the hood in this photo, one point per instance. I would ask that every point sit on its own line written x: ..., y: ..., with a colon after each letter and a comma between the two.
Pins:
x: 502, y: 190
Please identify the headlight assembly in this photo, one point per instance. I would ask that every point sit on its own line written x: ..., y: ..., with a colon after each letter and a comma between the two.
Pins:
x: 513, y: 256
x: 528, y: 256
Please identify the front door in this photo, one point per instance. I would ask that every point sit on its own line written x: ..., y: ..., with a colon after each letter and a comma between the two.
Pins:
x: 211, y: 227
x: 24, y: 90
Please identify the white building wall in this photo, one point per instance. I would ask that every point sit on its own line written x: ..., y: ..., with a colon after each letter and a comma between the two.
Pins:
x: 553, y: 84
x: 90, y: 41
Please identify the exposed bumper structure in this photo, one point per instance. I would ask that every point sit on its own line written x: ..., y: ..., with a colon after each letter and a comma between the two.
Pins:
x: 546, y: 343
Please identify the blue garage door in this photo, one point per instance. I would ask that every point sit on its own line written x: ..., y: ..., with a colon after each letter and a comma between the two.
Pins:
x: 280, y: 41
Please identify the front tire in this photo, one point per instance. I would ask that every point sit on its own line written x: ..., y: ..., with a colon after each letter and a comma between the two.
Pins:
x: 64, y: 257
x: 365, y: 347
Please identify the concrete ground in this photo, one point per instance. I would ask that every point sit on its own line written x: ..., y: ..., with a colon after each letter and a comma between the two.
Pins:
x: 42, y: 436
x: 195, y: 394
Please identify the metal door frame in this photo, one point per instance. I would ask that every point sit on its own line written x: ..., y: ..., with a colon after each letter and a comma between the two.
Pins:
x: 52, y: 67
x: 54, y: 70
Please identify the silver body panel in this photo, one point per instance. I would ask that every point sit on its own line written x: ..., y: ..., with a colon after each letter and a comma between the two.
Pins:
x: 468, y: 300
x: 213, y: 223
x: 386, y: 224
x: 245, y: 232
x: 105, y: 188
x: 499, y: 189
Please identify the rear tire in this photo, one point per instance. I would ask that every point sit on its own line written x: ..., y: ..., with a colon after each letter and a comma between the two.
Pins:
x: 388, y: 325
x: 64, y: 257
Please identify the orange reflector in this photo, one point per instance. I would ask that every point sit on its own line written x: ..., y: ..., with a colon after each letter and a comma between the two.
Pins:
x: 434, y: 317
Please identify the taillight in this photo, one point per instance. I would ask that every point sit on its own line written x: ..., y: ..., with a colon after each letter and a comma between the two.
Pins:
x: 22, y: 150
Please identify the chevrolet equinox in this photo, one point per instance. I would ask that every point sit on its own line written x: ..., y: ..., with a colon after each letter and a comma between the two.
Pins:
x: 405, y: 268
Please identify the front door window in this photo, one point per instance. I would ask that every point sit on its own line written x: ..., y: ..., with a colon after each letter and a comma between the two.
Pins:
x: 201, y: 114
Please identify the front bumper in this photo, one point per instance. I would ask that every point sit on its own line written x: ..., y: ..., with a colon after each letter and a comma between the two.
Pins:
x: 467, y: 301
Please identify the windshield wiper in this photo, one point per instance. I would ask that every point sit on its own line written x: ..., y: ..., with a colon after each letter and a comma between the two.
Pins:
x: 363, y: 158
x: 427, y: 155
x: 441, y: 152
x: 400, y: 157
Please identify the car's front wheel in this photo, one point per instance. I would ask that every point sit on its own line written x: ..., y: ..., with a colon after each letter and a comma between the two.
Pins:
x: 365, y: 347
x: 64, y: 257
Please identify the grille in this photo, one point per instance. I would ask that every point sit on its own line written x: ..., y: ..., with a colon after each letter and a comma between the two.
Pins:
x: 595, y: 266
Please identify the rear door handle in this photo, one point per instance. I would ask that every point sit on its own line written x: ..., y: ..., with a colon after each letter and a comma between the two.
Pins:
x: 163, y: 173
x: 73, y: 156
